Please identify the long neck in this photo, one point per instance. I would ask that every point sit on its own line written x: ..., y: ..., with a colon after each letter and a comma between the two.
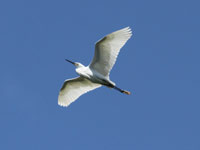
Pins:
x: 81, y: 70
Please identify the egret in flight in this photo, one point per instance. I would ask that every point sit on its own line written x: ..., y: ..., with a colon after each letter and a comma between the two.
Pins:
x: 97, y: 72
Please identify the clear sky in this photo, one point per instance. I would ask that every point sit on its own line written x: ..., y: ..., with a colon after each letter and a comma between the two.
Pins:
x: 159, y: 65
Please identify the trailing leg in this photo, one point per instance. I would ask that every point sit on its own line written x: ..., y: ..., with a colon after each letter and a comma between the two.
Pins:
x: 122, y: 91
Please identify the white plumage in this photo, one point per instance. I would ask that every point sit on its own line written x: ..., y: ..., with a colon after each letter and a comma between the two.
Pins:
x: 74, y: 88
x: 97, y: 73
x: 107, y: 50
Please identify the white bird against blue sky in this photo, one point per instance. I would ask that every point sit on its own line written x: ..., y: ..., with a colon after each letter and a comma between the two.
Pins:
x: 97, y: 72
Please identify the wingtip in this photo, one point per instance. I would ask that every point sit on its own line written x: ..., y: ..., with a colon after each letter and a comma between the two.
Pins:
x: 63, y: 105
x: 128, y: 29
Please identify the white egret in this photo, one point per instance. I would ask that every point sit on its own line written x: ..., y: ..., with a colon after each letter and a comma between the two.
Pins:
x: 97, y: 72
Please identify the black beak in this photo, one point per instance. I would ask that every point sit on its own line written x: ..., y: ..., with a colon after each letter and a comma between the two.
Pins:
x: 70, y: 61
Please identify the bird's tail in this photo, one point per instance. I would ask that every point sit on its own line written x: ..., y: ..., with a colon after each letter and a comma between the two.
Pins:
x: 122, y: 91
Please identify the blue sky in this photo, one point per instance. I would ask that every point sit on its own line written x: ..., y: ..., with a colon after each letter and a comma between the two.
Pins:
x: 159, y: 65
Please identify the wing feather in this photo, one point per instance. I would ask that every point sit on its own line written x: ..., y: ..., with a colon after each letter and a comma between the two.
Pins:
x: 107, y: 50
x: 73, y: 89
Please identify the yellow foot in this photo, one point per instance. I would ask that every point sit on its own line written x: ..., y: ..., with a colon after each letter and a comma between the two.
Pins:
x: 127, y: 92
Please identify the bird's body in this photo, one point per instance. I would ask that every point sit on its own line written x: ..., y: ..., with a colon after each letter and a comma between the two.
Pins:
x: 93, y: 75
x: 97, y: 73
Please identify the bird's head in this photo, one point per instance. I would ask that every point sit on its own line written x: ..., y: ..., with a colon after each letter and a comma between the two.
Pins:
x: 77, y: 64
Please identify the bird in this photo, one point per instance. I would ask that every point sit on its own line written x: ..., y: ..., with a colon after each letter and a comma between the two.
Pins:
x: 96, y: 74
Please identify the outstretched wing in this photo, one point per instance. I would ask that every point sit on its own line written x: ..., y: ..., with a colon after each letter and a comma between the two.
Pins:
x: 107, y: 50
x: 73, y: 89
